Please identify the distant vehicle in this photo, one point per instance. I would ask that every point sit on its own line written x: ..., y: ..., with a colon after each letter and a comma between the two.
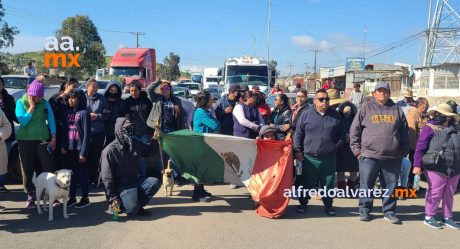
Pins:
x: 134, y: 64
x: 182, y: 92
x: 271, y: 99
x: 215, y: 90
x: 210, y: 76
x: 197, y: 78
x: 193, y: 87
x: 16, y: 85
x: 185, y: 81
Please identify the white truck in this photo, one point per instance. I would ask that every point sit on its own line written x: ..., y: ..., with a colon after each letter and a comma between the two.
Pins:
x: 210, y: 76
x: 248, y: 71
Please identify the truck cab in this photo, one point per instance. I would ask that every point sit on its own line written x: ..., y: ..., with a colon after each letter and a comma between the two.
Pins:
x: 134, y: 64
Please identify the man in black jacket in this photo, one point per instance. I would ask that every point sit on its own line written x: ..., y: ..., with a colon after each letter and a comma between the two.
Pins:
x: 120, y: 168
x: 318, y: 135
x: 224, y: 109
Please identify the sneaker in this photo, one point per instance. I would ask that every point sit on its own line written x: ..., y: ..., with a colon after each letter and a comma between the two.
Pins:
x: 207, y: 194
x: 330, y: 211
x: 143, y: 212
x: 84, y: 201
x: 30, y: 204
x: 364, y: 216
x: 71, y: 202
x: 451, y: 223
x: 432, y: 223
x: 56, y: 203
x: 301, y: 209
x: 232, y: 186
x: 392, y: 218
x: 3, y: 189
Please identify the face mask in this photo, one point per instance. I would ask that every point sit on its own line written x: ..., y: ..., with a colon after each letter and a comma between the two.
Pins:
x: 129, y: 131
x: 112, y: 95
x: 440, y: 119
x: 347, y: 115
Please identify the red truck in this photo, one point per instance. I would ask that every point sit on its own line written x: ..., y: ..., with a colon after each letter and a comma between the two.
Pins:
x: 134, y: 64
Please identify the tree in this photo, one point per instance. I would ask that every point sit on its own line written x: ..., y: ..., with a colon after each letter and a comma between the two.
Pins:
x: 7, y: 32
x: 169, y: 70
x: 85, y: 36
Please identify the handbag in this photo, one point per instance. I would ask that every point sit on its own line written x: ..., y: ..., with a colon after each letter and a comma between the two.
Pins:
x: 435, y: 159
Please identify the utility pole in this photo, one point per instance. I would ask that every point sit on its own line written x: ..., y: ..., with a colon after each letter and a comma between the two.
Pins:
x: 314, y: 62
x: 137, y: 37
x: 290, y: 64
x: 365, y: 34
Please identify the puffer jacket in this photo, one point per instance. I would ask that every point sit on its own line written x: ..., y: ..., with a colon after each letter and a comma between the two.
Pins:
x: 280, y: 117
x: 5, y: 132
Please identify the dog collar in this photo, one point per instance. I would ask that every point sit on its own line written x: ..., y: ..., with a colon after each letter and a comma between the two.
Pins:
x: 59, y: 186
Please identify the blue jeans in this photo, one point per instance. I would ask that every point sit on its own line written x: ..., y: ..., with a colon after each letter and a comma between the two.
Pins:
x: 2, y: 179
x: 147, y: 188
x: 406, y: 165
x: 369, y: 170
x: 145, y: 139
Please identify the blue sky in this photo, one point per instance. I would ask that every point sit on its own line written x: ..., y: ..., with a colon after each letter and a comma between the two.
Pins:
x: 205, y: 32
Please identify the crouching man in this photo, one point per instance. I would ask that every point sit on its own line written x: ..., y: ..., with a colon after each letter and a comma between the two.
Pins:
x: 120, y: 168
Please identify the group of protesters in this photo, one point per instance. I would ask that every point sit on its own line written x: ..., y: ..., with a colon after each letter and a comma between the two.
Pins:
x: 104, y: 138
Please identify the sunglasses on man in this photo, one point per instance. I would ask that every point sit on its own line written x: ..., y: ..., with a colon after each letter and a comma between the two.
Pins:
x: 323, y: 99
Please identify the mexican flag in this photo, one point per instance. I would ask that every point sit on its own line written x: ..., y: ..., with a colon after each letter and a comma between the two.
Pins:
x: 265, y: 167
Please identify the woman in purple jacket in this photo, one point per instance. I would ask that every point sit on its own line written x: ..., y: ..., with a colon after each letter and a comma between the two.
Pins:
x: 439, y: 136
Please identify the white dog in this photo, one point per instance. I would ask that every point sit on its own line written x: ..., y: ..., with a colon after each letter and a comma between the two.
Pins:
x: 50, y: 187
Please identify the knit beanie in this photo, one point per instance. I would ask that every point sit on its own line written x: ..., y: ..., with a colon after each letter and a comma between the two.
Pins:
x: 36, y: 89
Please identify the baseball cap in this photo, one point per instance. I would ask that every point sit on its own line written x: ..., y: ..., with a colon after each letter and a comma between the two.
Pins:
x: 233, y: 88
x: 383, y: 85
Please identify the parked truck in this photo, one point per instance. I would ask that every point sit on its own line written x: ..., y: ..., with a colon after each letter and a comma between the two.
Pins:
x: 210, y: 77
x: 249, y: 71
x: 134, y: 64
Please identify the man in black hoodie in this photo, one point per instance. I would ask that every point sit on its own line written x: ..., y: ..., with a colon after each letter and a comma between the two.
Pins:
x: 379, y: 138
x: 8, y: 106
x: 115, y: 107
x: 120, y: 168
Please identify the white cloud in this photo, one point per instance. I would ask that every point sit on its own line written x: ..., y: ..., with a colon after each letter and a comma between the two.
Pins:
x: 192, y: 68
x: 336, y: 42
x: 26, y: 43
x: 311, y: 43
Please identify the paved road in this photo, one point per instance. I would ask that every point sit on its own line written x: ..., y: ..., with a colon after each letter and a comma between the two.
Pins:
x: 227, y: 222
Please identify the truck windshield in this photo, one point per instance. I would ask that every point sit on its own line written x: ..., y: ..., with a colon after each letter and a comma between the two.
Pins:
x: 125, y: 71
x: 196, y: 78
x: 16, y: 82
x: 254, y: 75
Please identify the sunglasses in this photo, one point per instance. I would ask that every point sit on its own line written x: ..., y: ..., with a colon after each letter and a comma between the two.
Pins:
x: 323, y: 99
x: 165, y: 89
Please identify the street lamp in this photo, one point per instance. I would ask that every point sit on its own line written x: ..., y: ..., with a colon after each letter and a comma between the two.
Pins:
x: 253, y: 37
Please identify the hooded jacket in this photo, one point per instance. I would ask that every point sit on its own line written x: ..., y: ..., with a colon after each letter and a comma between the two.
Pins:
x: 60, y: 104
x: 120, y: 162
x: 156, y: 117
x: 97, y: 104
x: 379, y: 132
x: 116, y: 109
x: 138, y: 111
x: 9, y: 107
x: 76, y: 131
